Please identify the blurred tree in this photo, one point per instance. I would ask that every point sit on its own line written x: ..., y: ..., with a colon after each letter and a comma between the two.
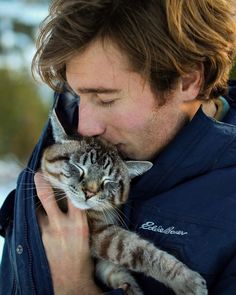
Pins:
x: 23, y: 28
x: 22, y: 114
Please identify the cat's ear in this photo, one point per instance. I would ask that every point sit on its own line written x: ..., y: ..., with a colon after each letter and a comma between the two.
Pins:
x: 58, y: 131
x: 137, y: 168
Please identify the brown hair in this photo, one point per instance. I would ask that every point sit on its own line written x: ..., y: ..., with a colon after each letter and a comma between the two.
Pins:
x: 163, y: 39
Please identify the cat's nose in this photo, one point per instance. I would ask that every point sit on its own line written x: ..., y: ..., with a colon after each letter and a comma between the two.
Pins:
x: 88, y: 194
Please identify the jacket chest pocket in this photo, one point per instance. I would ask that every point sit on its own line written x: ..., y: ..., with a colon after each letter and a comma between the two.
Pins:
x: 165, y: 233
x: 198, y: 243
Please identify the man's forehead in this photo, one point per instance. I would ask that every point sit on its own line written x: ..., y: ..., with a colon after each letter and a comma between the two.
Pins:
x: 99, y: 54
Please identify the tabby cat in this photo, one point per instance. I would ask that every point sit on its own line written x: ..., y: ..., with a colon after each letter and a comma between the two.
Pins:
x: 94, y: 178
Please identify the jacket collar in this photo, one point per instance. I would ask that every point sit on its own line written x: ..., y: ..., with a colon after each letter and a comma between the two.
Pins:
x: 203, y: 145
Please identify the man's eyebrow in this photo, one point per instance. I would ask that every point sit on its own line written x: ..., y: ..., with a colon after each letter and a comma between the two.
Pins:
x: 98, y: 90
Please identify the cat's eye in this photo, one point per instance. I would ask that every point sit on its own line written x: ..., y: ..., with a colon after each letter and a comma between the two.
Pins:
x: 109, y: 185
x: 79, y: 169
x: 66, y: 170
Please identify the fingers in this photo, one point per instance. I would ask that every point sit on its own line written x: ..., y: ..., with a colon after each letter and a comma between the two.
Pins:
x: 74, y: 211
x: 77, y: 214
x: 80, y: 217
x: 46, y: 196
x: 55, y: 216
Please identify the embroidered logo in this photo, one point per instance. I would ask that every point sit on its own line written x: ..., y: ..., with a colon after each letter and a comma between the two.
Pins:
x: 149, y: 225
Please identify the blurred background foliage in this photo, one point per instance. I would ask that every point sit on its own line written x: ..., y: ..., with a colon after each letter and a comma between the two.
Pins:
x: 22, y: 114
x: 24, y: 104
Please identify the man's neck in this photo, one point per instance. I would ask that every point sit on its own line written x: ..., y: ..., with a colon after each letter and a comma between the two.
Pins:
x: 208, y: 107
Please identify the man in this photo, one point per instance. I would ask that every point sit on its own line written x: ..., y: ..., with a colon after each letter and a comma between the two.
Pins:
x: 150, y: 76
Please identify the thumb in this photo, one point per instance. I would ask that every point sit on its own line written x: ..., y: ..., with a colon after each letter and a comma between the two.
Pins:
x: 46, y: 196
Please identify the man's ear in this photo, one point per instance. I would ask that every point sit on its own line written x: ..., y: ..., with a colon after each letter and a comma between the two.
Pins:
x: 191, y: 83
x: 58, y: 131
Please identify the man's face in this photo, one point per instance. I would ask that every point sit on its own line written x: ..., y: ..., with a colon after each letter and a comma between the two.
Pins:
x: 118, y: 106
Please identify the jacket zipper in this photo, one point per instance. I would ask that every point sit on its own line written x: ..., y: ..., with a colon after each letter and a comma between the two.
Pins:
x: 14, y: 290
x: 30, y: 259
x: 33, y: 288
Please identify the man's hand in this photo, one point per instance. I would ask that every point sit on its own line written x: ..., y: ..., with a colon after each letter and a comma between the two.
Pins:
x: 66, y: 241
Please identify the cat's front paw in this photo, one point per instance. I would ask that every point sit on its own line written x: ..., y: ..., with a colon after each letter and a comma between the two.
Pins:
x: 193, y: 284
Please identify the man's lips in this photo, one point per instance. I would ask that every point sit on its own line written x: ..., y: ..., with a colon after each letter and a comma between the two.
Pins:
x: 119, y: 146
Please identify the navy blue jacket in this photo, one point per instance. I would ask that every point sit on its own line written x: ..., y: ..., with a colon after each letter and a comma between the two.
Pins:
x: 186, y: 205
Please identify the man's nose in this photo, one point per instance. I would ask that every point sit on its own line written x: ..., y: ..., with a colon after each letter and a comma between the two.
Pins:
x: 90, y: 120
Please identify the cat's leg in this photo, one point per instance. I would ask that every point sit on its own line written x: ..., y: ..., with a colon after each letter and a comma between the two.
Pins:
x: 127, y: 249
x: 115, y: 276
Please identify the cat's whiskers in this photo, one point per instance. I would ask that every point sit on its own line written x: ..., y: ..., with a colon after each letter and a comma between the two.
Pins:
x: 111, y: 210
x: 106, y: 214
x: 25, y: 186
x: 30, y: 197
x: 129, y: 205
x: 29, y: 170
x: 105, y: 217
x: 118, y: 216
x: 32, y: 188
x: 120, y: 213
x: 62, y: 197
x: 109, y: 217
x: 51, y: 198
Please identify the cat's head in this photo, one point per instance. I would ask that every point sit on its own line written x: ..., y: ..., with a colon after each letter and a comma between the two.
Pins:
x: 90, y: 172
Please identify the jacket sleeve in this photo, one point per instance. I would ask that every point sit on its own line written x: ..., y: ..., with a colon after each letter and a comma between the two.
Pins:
x: 6, y: 212
x: 226, y: 283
